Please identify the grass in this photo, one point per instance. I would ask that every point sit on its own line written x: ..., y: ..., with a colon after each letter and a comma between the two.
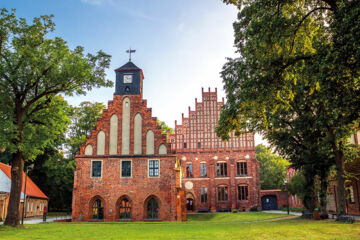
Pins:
x: 232, y: 217
x: 199, y: 226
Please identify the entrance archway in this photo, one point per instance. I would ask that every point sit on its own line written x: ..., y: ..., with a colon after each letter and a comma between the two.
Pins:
x: 98, y: 209
x: 152, y: 208
x: 190, y: 202
x: 125, y: 209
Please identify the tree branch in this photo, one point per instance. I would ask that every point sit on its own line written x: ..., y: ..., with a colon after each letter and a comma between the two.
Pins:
x: 302, y: 20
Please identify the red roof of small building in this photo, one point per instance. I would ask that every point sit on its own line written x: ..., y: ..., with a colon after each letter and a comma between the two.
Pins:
x: 31, y: 188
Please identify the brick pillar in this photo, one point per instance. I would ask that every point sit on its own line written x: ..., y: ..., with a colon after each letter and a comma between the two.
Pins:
x: 212, y: 188
x: 232, y: 187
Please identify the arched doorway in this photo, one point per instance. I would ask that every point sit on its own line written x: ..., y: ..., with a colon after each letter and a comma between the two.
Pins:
x: 152, y: 209
x: 98, y: 209
x: 190, y: 202
x: 269, y: 202
x: 125, y: 209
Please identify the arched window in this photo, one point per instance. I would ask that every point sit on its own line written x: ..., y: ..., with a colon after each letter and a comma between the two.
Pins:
x: 152, y: 209
x: 98, y: 209
x: 125, y: 209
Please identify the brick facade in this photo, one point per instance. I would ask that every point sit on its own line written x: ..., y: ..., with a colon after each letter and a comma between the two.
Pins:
x: 214, y: 172
x: 107, y: 189
x: 294, y: 201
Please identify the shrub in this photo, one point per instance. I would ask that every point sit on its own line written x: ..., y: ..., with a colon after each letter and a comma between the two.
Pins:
x: 254, y: 209
x: 235, y: 211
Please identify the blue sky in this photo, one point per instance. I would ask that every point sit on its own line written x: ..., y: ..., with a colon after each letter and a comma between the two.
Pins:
x: 181, y: 45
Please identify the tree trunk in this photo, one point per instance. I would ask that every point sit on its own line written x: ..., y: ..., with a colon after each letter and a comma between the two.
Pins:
x: 339, y: 156
x: 323, y: 193
x: 339, y: 159
x: 17, y: 166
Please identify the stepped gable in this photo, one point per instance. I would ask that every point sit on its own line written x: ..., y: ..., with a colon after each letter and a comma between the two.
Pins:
x: 138, y: 105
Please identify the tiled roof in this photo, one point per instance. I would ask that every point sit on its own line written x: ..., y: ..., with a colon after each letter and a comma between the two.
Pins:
x: 31, y: 188
x: 127, y: 66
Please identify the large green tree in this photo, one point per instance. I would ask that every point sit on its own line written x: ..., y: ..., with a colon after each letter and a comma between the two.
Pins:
x: 296, y: 57
x: 83, y: 119
x: 34, y: 69
x: 272, y: 168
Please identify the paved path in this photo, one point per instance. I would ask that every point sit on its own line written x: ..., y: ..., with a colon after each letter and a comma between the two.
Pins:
x: 40, y: 220
x: 283, y: 212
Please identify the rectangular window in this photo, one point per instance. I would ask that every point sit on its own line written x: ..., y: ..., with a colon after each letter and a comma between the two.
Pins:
x: 221, y: 169
x: 153, y: 168
x: 203, y: 195
x: 242, y: 192
x: 184, y: 145
x: 96, y: 168
x: 198, y: 145
x: 203, y: 172
x: 125, y: 168
x: 241, y: 168
x: 189, y: 170
x: 222, y: 193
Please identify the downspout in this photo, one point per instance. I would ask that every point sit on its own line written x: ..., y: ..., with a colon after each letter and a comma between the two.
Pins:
x: 358, y: 194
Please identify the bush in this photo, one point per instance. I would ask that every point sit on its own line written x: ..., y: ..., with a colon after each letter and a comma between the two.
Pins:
x: 235, y: 211
x: 254, y: 209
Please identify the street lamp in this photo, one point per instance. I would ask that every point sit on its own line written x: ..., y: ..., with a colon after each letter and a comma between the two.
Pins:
x: 26, y: 176
x: 287, y: 195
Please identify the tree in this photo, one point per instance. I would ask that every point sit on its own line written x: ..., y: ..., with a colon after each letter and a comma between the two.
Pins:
x: 165, y: 129
x: 33, y: 71
x: 83, y: 119
x: 54, y: 175
x: 272, y: 168
x: 296, y: 58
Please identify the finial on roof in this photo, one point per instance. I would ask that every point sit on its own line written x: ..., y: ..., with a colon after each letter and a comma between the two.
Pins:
x: 129, y: 52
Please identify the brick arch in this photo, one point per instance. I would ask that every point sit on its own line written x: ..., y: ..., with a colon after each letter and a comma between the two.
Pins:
x: 152, y: 196
x: 118, y: 202
x: 91, y: 202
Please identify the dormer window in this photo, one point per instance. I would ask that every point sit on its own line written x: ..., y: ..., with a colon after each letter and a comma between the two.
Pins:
x: 128, y: 78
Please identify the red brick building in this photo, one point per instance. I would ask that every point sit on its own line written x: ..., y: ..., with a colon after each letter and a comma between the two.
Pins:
x: 218, y: 175
x: 352, y: 184
x: 294, y: 201
x: 124, y: 171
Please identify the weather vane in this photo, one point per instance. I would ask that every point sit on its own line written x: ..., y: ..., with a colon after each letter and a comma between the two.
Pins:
x: 129, y: 52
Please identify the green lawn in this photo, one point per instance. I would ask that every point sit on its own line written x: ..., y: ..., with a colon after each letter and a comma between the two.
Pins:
x: 204, y: 226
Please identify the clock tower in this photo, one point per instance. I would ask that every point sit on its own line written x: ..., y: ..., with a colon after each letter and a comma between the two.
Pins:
x: 129, y: 79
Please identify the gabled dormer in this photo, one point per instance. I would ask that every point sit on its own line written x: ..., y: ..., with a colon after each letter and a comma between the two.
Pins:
x: 129, y: 80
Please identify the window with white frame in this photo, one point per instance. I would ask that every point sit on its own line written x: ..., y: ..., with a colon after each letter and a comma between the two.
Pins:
x: 154, y: 168
x: 96, y: 168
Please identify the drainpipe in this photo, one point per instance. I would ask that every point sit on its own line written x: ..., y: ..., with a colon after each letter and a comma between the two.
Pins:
x: 358, y: 194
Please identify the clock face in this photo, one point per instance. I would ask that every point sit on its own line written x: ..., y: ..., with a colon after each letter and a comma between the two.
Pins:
x: 128, y: 78
x: 189, y: 185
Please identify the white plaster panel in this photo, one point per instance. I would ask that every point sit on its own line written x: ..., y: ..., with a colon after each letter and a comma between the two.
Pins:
x: 150, y: 142
x: 89, y: 150
x: 138, y: 134
x: 125, y: 136
x: 100, y: 149
x: 162, y: 149
x: 113, y: 135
